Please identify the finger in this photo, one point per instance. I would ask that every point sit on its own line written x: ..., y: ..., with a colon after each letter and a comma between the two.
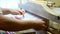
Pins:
x: 40, y: 27
x: 21, y: 12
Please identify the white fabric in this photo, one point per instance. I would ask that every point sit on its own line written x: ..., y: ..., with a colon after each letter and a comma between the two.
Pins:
x: 14, y: 16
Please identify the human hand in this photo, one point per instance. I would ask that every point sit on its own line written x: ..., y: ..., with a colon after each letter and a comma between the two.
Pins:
x: 40, y: 25
x: 18, y: 12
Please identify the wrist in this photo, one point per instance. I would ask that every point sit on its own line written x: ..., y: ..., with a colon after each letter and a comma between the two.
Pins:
x: 11, y: 12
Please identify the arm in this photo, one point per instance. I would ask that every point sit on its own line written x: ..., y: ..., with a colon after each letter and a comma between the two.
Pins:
x: 12, y: 11
x: 6, y: 11
x: 18, y: 25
